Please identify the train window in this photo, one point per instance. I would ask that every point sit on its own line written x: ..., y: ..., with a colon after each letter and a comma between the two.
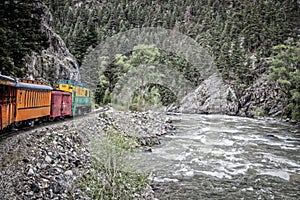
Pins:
x: 20, y: 98
x: 2, y: 93
x: 34, y: 98
x: 24, y: 95
x: 42, y: 100
x: 25, y: 98
x: 8, y: 95
x: 30, y: 98
x: 39, y: 98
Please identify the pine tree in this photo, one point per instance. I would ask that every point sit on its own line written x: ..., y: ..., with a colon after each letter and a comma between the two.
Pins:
x: 285, y: 70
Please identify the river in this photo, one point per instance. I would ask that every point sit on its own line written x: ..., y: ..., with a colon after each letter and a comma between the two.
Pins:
x: 225, y: 157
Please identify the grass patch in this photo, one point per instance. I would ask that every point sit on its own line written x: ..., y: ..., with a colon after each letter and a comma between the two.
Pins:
x: 112, y: 176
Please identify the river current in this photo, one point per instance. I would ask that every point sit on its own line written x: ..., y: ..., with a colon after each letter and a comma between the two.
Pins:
x: 225, y: 157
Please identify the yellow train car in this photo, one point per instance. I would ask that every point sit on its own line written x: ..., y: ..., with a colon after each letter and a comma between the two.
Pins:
x: 33, y: 100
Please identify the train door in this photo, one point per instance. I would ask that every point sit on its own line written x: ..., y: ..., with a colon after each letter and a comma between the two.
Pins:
x: 67, y: 104
x: 1, y: 117
x: 74, y: 103
x: 7, y: 106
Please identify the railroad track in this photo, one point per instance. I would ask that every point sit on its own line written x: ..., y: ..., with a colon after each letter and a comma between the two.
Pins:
x: 10, y: 133
x: 21, y: 130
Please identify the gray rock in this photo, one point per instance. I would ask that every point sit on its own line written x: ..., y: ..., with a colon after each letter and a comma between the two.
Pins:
x: 263, y: 98
x: 48, y: 159
x: 211, y: 97
x: 35, y: 187
x: 68, y: 173
x: 30, y: 172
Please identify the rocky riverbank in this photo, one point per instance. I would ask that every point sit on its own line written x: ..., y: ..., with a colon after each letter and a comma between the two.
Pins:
x: 49, y: 162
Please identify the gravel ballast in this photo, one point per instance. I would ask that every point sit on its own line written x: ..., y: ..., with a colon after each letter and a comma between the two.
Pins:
x: 46, y: 162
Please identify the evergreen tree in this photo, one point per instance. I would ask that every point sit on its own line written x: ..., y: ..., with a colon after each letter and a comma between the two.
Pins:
x: 285, y: 70
x: 20, y: 31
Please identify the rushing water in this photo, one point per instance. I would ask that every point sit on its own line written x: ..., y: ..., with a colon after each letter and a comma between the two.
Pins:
x: 223, y: 157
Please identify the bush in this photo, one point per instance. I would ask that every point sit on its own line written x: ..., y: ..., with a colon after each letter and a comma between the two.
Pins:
x: 112, y: 177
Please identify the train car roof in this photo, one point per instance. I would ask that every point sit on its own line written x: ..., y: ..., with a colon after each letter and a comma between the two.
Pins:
x: 6, y: 80
x: 60, y: 92
x: 33, y: 86
x: 71, y: 82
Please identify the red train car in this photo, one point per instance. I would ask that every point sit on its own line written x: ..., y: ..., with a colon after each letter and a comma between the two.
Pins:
x: 7, y: 101
x: 61, y: 104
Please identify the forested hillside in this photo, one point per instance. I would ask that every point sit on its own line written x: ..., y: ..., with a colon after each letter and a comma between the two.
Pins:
x: 20, y: 34
x: 29, y: 46
x: 243, y: 36
x: 240, y: 34
x: 237, y: 32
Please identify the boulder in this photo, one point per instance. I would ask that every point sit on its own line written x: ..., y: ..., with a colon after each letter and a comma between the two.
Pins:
x: 211, y: 97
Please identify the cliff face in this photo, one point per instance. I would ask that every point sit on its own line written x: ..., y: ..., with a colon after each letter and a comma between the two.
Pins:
x: 211, y: 97
x: 263, y: 98
x: 54, y: 62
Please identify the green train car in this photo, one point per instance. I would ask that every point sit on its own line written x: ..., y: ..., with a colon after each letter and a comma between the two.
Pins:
x: 81, y: 96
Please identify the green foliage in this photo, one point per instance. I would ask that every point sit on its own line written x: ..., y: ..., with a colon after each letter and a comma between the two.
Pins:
x: 20, y: 34
x: 234, y: 31
x: 149, y: 95
x: 145, y: 98
x: 285, y: 70
x: 260, y: 112
x: 239, y: 34
x: 112, y: 177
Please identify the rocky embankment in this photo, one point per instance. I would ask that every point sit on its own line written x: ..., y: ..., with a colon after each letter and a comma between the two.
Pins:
x: 49, y: 162
x: 262, y: 99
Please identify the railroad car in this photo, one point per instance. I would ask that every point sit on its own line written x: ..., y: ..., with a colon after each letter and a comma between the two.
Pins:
x: 61, y: 104
x: 26, y: 101
x: 8, y: 92
x: 33, y: 101
x: 81, y: 96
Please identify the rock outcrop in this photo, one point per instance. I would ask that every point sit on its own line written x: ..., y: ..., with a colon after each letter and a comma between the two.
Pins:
x: 55, y: 62
x: 211, y: 97
x: 263, y: 98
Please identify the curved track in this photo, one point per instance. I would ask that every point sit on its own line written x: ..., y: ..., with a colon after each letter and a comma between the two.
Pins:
x: 10, y: 133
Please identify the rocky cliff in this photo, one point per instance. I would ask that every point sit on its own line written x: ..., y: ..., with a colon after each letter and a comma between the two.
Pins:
x: 263, y: 98
x: 211, y: 97
x: 54, y: 62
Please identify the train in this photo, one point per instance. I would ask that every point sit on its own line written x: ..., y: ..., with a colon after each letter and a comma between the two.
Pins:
x: 24, y: 102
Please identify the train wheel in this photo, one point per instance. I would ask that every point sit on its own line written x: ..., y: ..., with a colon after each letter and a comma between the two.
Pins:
x: 30, y: 123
